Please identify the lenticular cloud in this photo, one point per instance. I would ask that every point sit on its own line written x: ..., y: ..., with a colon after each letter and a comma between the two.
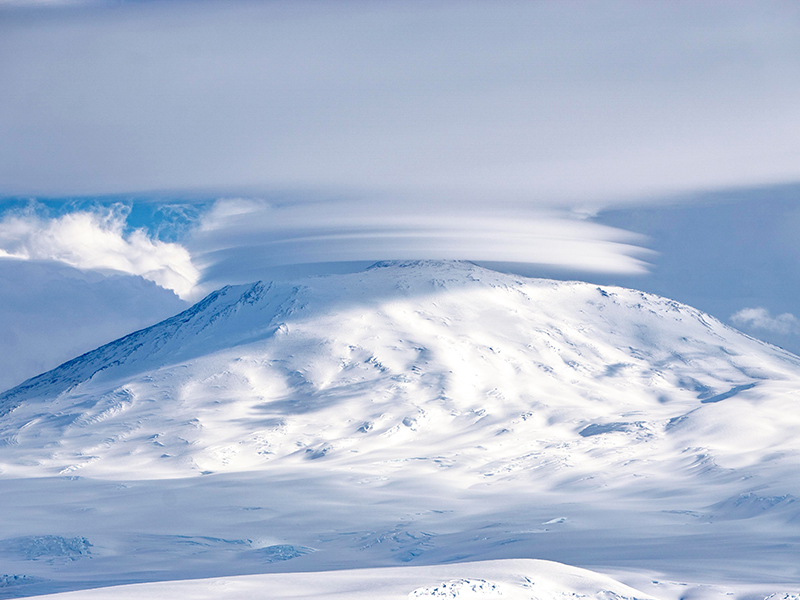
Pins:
x: 253, y: 231
x: 97, y: 240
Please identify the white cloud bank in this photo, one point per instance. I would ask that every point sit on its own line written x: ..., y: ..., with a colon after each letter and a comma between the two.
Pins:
x: 97, y: 240
x: 761, y: 319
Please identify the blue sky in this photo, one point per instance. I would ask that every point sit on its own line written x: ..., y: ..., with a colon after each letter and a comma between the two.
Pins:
x: 172, y: 147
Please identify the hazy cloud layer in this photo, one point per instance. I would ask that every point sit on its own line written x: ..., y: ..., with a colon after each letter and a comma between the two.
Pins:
x: 761, y: 319
x: 531, y: 101
x: 96, y: 240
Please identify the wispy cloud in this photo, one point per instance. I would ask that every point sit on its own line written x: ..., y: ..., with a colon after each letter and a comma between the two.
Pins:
x: 761, y: 319
x: 97, y: 240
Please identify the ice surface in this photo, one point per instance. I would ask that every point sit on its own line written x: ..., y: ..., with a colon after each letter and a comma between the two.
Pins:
x: 46, y: 547
x: 412, y: 414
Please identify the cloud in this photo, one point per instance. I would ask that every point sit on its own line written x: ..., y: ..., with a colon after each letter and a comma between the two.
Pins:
x: 97, y: 240
x: 239, y: 236
x: 538, y: 102
x: 760, y: 319
x: 238, y: 240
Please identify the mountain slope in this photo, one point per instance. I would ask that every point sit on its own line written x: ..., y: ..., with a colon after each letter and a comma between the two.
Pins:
x: 447, y: 353
x: 412, y: 413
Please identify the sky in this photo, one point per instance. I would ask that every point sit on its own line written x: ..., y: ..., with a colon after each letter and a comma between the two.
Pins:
x: 151, y: 152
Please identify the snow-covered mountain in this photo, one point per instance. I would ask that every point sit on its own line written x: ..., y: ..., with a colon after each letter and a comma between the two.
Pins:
x: 415, y: 413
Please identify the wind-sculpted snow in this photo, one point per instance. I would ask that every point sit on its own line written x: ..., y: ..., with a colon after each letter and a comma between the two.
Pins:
x: 415, y: 413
